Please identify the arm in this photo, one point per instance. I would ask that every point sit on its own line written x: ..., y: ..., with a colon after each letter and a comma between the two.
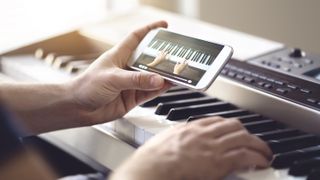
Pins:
x: 104, y: 92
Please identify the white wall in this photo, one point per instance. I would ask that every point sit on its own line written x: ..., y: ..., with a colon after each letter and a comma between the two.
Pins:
x: 293, y: 22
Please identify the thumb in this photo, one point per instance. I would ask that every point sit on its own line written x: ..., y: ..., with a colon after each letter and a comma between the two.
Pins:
x: 138, y: 80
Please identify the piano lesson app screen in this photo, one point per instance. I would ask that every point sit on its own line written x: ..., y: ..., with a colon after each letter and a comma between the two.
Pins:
x: 179, y: 57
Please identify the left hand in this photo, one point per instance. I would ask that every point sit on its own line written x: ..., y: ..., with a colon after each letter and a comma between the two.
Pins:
x: 106, y: 90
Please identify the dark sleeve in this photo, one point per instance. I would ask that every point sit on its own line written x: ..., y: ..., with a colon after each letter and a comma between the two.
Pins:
x: 9, y: 137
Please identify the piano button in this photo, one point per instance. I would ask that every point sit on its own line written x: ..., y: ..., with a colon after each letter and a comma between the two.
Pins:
x: 261, y: 83
x: 286, y: 69
x: 279, y: 134
x: 192, y: 55
x: 164, y: 108
x: 72, y: 69
x: 186, y: 112
x: 304, y: 167
x: 267, y: 85
x: 239, y: 76
x: 62, y: 61
x: 249, y: 80
x: 224, y: 71
x: 50, y: 58
x: 297, y: 65
x: 251, y: 118
x: 279, y: 82
x: 311, y: 100
x: 40, y: 53
x: 285, y: 160
x: 247, y: 72
x: 282, y: 91
x: 307, y: 91
x: 308, y: 61
x: 231, y: 74
x: 225, y: 114
x: 262, y: 77
x: 293, y: 143
x: 262, y: 126
x: 167, y: 97
x: 291, y: 86
x: 270, y: 80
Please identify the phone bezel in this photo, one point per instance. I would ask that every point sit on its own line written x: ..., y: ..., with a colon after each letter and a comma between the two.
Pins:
x: 209, y: 76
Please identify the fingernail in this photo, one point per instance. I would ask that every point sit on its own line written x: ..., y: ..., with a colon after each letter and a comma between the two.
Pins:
x: 156, y: 81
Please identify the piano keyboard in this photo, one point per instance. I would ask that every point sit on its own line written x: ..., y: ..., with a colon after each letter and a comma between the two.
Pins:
x: 297, y: 153
x: 177, y: 53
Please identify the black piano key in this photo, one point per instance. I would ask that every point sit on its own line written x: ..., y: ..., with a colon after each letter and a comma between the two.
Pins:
x: 285, y: 160
x: 180, y: 52
x: 204, y: 57
x: 176, y: 50
x: 189, y: 54
x: 151, y: 43
x: 293, y: 143
x: 279, y: 134
x: 210, y: 60
x: 185, y: 52
x: 163, y: 46
x: 155, y: 44
x: 225, y: 114
x: 158, y: 45
x: 172, y: 97
x: 172, y: 48
x: 304, y: 167
x: 251, y: 118
x: 314, y: 174
x: 194, y: 56
x: 164, y: 108
x: 186, y: 112
x: 198, y: 57
x: 168, y: 48
x: 262, y: 126
x: 177, y: 88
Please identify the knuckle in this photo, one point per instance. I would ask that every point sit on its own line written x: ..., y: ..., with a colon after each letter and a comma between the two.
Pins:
x: 136, y: 79
x: 235, y: 122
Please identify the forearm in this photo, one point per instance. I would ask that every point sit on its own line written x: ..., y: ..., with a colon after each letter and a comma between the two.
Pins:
x: 41, y: 107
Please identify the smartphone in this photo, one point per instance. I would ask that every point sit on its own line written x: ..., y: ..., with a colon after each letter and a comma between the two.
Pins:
x: 181, y: 59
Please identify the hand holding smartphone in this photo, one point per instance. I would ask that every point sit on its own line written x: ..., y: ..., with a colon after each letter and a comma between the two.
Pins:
x: 181, y: 59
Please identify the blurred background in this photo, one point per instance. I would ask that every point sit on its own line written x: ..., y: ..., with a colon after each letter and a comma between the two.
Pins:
x: 293, y: 22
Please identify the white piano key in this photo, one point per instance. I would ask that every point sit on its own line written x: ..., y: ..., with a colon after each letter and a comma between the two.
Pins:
x: 200, y: 57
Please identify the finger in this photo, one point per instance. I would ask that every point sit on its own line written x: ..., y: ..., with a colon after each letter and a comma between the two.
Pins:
x: 244, y: 158
x: 143, y: 96
x: 133, y: 80
x: 208, y: 120
x: 242, y: 138
x: 134, y: 38
x: 224, y: 127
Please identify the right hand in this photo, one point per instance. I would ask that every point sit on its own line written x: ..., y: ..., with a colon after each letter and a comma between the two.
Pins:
x: 210, y: 148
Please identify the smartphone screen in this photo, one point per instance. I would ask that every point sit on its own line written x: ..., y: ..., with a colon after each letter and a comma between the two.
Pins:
x: 178, y: 57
